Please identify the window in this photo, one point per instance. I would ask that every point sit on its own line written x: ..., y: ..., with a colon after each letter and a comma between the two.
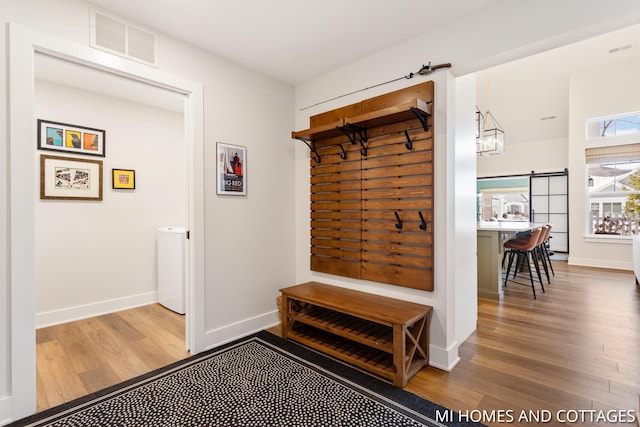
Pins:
x: 503, y: 199
x: 613, y: 126
x: 614, y: 189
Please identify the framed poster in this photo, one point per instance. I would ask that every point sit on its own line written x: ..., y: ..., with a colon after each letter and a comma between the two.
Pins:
x: 231, y: 176
x: 123, y: 178
x: 70, y: 138
x: 64, y: 178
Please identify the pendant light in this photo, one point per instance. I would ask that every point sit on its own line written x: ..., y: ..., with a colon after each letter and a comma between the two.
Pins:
x: 491, y: 139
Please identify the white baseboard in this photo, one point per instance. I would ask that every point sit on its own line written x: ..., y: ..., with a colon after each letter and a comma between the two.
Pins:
x: 69, y: 314
x: 601, y: 263
x: 5, y: 410
x: 240, y: 329
x: 445, y: 359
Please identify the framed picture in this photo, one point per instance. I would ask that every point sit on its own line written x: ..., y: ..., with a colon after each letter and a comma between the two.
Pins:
x: 124, y: 178
x: 231, y: 177
x: 65, y: 178
x: 70, y: 138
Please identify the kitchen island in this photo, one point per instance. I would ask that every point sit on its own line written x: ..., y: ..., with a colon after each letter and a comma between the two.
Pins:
x: 491, y: 235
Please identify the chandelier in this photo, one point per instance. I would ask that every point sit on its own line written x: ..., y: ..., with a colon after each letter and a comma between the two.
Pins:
x: 489, y: 135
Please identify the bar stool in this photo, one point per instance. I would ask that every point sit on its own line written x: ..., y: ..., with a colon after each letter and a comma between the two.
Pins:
x: 525, y: 250
x: 541, y: 253
x: 545, y: 248
x: 522, y: 235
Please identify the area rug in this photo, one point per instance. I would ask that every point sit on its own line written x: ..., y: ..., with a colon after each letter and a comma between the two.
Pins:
x: 260, y: 380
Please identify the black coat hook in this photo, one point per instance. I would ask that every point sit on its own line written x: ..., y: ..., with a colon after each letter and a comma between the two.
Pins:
x: 399, y: 223
x: 409, y: 143
x: 423, y: 223
x: 343, y: 155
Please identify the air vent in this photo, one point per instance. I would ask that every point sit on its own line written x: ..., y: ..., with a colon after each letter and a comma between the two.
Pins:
x: 116, y: 36
x: 620, y: 48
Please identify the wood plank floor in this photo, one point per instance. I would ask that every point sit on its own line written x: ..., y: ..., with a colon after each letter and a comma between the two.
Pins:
x: 577, y: 347
x: 77, y: 358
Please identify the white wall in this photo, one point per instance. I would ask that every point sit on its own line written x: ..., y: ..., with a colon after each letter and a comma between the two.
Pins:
x: 543, y: 156
x: 249, y: 240
x: 5, y: 278
x: 513, y: 93
x: 97, y: 257
x: 596, y: 93
x: 249, y: 248
x: 464, y: 230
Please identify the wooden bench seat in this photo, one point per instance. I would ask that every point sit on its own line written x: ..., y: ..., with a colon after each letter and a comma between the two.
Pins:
x: 386, y: 336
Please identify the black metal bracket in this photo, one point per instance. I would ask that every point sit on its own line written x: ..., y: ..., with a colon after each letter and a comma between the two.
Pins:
x: 355, y: 134
x: 423, y: 223
x: 399, y: 223
x: 422, y: 116
x: 409, y: 143
x: 343, y: 155
x: 312, y: 147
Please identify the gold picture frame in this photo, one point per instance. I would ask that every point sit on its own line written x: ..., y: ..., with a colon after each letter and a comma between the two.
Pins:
x: 66, y: 178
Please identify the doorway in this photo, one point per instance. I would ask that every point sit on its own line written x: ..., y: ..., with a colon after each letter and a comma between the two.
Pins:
x: 99, y: 256
x: 24, y: 44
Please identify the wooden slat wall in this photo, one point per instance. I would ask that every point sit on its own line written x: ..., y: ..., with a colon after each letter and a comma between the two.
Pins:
x: 398, y: 180
x: 353, y: 225
x: 336, y: 227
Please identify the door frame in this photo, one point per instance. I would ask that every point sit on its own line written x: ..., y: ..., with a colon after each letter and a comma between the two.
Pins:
x: 24, y: 43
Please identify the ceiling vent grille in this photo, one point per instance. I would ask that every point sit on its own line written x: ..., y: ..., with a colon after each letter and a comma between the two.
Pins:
x: 116, y: 36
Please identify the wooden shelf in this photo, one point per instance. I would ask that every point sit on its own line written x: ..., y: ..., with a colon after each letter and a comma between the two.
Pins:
x: 353, y: 328
x: 385, y: 336
x: 375, y: 361
x: 386, y: 116
x: 391, y: 115
x: 320, y: 132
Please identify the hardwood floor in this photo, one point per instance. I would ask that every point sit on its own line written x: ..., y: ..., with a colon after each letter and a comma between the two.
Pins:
x: 577, y: 347
x: 77, y: 358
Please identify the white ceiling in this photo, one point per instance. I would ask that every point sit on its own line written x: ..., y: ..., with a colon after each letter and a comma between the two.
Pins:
x: 294, y: 40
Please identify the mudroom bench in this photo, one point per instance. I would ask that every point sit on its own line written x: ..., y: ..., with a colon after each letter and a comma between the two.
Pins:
x: 386, y: 336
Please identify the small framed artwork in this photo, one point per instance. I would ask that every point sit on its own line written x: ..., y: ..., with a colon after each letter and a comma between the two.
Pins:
x: 124, y: 178
x: 70, y: 138
x: 65, y: 178
x: 231, y: 176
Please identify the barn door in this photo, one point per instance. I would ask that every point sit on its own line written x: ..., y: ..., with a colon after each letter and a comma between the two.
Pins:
x: 549, y: 203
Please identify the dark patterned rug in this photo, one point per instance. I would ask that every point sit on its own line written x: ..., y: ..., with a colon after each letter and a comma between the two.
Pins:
x: 260, y: 380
